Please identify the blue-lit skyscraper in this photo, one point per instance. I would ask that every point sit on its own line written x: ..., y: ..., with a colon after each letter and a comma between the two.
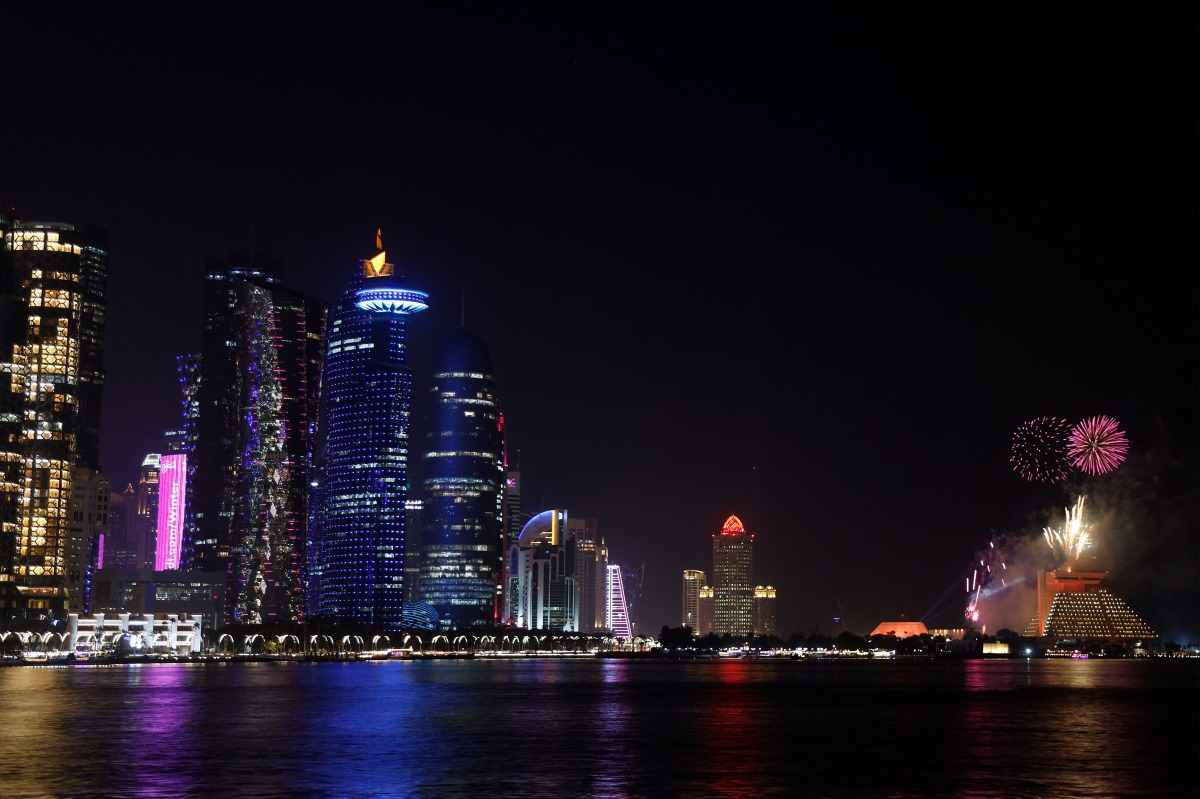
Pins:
x: 462, y: 552
x: 356, y: 556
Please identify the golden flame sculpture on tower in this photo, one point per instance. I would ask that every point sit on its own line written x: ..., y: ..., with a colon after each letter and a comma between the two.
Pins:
x: 377, y: 265
x: 382, y: 289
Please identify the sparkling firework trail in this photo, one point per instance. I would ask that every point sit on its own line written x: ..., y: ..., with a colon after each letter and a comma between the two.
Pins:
x: 983, y: 581
x: 1097, y: 445
x: 1039, y: 449
x: 1073, y: 538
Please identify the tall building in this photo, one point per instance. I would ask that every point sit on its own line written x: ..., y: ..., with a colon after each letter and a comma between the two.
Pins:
x: 89, y: 523
x: 414, y: 523
x: 172, y: 488
x: 512, y: 528
x: 704, y: 612
x: 543, y: 561
x: 145, y: 515
x: 52, y: 301
x: 591, y: 570
x: 764, y: 610
x: 733, y: 586
x: 120, y: 549
x: 463, y: 535
x: 633, y: 579
x: 356, y: 561
x: 249, y: 407
x: 693, y: 581
x: 188, y: 369
x: 616, y: 614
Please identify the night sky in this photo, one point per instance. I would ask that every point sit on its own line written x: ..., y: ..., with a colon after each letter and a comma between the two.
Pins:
x: 811, y: 268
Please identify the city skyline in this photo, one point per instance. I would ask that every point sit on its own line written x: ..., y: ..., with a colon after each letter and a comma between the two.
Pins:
x: 812, y: 270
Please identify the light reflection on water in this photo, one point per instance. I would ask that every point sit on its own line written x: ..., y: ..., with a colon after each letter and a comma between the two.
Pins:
x: 986, y: 729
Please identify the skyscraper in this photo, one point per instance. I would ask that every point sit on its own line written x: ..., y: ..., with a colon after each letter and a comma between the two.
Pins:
x: 542, y: 559
x: 733, y: 586
x: 52, y: 300
x: 591, y: 572
x: 145, y: 519
x: 120, y: 549
x: 764, y: 610
x: 89, y: 523
x: 356, y: 560
x: 704, y: 612
x: 616, y: 614
x: 693, y: 581
x: 172, y: 484
x: 249, y: 407
x: 512, y: 530
x: 633, y: 578
x: 463, y: 534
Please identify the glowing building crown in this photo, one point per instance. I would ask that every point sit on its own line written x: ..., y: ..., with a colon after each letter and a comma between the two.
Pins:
x: 386, y: 295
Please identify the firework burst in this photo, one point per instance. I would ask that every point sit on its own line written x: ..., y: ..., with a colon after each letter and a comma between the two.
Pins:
x: 1097, y: 445
x: 987, y: 578
x: 1070, y: 542
x: 1039, y: 449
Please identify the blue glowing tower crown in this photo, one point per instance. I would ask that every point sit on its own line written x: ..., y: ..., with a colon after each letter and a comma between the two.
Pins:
x: 383, y: 290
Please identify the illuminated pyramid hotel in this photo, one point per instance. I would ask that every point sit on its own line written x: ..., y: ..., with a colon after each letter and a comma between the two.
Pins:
x: 1074, y: 605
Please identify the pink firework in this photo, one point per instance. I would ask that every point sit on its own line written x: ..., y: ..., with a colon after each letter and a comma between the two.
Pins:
x: 1097, y: 445
x: 987, y: 579
x: 1039, y: 449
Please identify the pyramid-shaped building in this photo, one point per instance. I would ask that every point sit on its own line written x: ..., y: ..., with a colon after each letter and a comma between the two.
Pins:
x: 1075, y: 605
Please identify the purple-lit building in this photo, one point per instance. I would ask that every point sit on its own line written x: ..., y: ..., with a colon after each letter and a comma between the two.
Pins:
x: 616, y: 614
x: 172, y: 485
x: 250, y: 405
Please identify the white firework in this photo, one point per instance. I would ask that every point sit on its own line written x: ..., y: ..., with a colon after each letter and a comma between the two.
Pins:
x: 1073, y: 538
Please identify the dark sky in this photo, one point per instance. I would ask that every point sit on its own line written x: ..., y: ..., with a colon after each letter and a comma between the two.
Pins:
x: 812, y: 268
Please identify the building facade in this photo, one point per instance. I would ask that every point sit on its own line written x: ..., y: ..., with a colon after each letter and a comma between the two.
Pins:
x: 732, y: 584
x: 542, y: 562
x: 248, y: 418
x: 705, y: 624
x: 1076, y: 606
x: 89, y: 525
x: 512, y: 529
x: 693, y: 581
x: 172, y: 496
x: 145, y: 514
x: 52, y: 309
x: 120, y: 548
x: 633, y: 579
x: 463, y: 531
x: 764, y: 610
x: 616, y: 608
x: 591, y: 569
x: 356, y: 559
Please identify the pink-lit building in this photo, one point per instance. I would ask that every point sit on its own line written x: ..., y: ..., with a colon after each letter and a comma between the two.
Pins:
x: 172, y: 492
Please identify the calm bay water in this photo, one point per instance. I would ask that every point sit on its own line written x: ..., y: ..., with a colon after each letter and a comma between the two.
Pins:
x: 999, y: 729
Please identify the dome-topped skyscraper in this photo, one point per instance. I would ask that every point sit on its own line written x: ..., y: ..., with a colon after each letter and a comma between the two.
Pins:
x: 733, y: 585
x: 462, y: 552
x: 356, y: 563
